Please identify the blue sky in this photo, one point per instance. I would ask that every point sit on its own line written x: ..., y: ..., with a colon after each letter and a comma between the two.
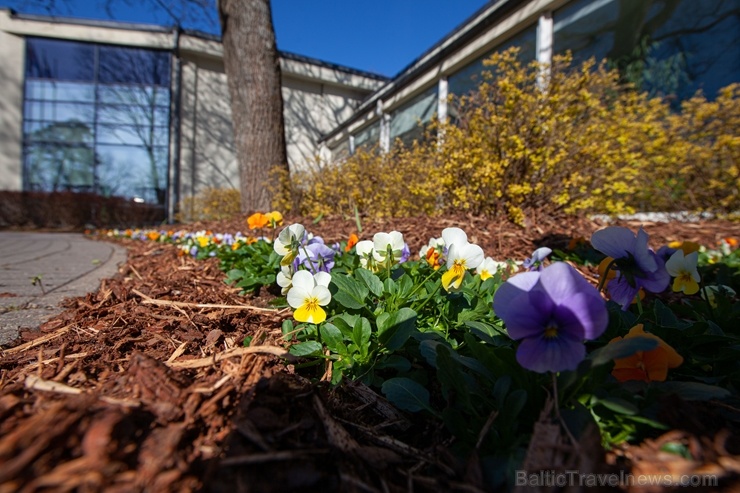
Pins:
x: 380, y: 36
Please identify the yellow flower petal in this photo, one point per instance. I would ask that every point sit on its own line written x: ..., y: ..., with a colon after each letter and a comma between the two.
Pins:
x: 310, y: 312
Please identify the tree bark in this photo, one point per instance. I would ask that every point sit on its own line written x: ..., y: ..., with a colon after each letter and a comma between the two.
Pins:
x: 253, y: 72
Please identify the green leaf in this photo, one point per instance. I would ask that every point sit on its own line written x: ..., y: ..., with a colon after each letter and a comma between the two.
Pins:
x: 308, y: 348
x: 501, y: 388
x: 394, y: 329
x: 621, y: 349
x: 665, y: 317
x: 371, y: 281
x: 350, y: 293
x: 515, y: 402
x: 394, y: 362
x: 618, y: 405
x: 333, y: 339
x: 287, y: 326
x: 693, y: 391
x: 361, y: 334
x: 484, y: 331
x: 407, y: 394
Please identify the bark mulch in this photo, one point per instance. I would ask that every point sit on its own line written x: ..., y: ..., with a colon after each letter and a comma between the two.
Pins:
x: 145, y: 385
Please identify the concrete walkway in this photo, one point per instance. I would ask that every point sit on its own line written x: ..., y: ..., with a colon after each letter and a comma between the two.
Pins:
x: 62, y: 264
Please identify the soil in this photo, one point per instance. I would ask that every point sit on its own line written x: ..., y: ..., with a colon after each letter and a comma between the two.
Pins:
x: 145, y: 385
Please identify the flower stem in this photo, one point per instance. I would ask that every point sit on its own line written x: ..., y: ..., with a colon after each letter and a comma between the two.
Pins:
x: 603, y: 279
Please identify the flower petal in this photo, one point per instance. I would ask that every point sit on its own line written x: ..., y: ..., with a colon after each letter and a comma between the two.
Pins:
x: 556, y: 354
x: 454, y: 235
x: 614, y: 241
x: 312, y: 315
x: 322, y: 294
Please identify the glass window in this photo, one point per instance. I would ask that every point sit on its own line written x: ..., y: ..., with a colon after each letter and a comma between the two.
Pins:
x: 341, y: 151
x: 368, y: 137
x: 96, y: 119
x: 59, y: 60
x: 468, y: 78
x: 666, y: 47
x: 408, y: 122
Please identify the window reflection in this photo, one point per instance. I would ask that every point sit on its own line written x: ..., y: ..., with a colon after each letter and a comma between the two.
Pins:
x: 96, y: 119
x: 409, y: 121
x: 666, y: 47
x: 469, y: 77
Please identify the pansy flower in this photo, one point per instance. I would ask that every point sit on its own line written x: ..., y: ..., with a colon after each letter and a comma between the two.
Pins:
x: 461, y: 256
x: 551, y: 312
x: 308, y: 294
x: 388, y: 247
x: 683, y: 269
x: 257, y: 221
x: 488, y: 268
x: 285, y: 279
x: 315, y: 257
x: 366, y: 252
x: 352, y: 241
x: 274, y: 219
x: 537, y: 258
x: 637, y: 266
x: 434, y: 253
x: 288, y: 242
x: 646, y: 366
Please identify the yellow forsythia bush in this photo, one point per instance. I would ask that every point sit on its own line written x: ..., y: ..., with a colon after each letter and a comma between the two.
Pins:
x: 211, y: 204
x: 570, y: 140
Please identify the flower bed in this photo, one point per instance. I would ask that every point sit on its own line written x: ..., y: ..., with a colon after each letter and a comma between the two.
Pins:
x: 444, y: 345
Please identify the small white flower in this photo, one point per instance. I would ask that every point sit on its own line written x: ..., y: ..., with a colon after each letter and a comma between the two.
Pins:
x: 461, y: 256
x: 392, y: 242
x: 489, y: 267
x: 308, y: 294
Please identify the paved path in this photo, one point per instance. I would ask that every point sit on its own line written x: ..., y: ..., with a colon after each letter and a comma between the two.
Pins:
x: 64, y: 264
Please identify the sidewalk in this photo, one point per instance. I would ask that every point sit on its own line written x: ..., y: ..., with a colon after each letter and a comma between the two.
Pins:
x: 64, y: 265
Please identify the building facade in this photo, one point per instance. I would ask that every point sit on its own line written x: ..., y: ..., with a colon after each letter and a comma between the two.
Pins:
x: 143, y: 112
x: 670, y: 47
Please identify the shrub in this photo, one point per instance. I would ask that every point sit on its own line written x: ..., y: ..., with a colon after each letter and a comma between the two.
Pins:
x: 211, y: 204
x: 584, y: 143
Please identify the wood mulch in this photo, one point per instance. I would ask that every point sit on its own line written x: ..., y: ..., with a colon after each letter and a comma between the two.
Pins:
x: 145, y: 385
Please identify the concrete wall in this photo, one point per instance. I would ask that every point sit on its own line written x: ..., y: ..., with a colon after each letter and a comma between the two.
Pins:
x: 207, y: 157
x: 11, y: 103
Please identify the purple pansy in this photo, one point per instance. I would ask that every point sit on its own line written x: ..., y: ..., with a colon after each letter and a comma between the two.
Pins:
x: 405, y: 253
x: 552, y: 312
x: 538, y: 256
x: 637, y: 266
x: 315, y: 257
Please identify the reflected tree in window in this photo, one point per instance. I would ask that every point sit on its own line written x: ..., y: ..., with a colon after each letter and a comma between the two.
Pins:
x: 666, y: 47
x: 60, y: 159
x: 121, y: 97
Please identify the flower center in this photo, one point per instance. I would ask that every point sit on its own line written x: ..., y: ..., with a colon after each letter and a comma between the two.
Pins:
x: 551, y: 332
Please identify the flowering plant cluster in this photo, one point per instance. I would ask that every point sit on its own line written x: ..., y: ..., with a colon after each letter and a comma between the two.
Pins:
x: 459, y: 335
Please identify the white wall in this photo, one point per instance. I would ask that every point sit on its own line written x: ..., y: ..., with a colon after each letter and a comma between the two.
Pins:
x: 11, y: 102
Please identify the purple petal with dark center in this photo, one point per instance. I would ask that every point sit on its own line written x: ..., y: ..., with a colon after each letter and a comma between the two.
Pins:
x: 621, y: 292
x: 555, y: 354
x: 614, y: 241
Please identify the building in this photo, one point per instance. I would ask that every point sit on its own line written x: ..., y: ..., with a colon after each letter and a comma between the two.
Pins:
x: 143, y: 111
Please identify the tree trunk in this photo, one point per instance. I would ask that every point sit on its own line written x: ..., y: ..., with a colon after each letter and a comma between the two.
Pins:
x: 253, y: 71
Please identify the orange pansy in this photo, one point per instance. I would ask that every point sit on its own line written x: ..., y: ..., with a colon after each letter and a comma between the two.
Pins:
x: 257, y: 220
x: 646, y: 366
